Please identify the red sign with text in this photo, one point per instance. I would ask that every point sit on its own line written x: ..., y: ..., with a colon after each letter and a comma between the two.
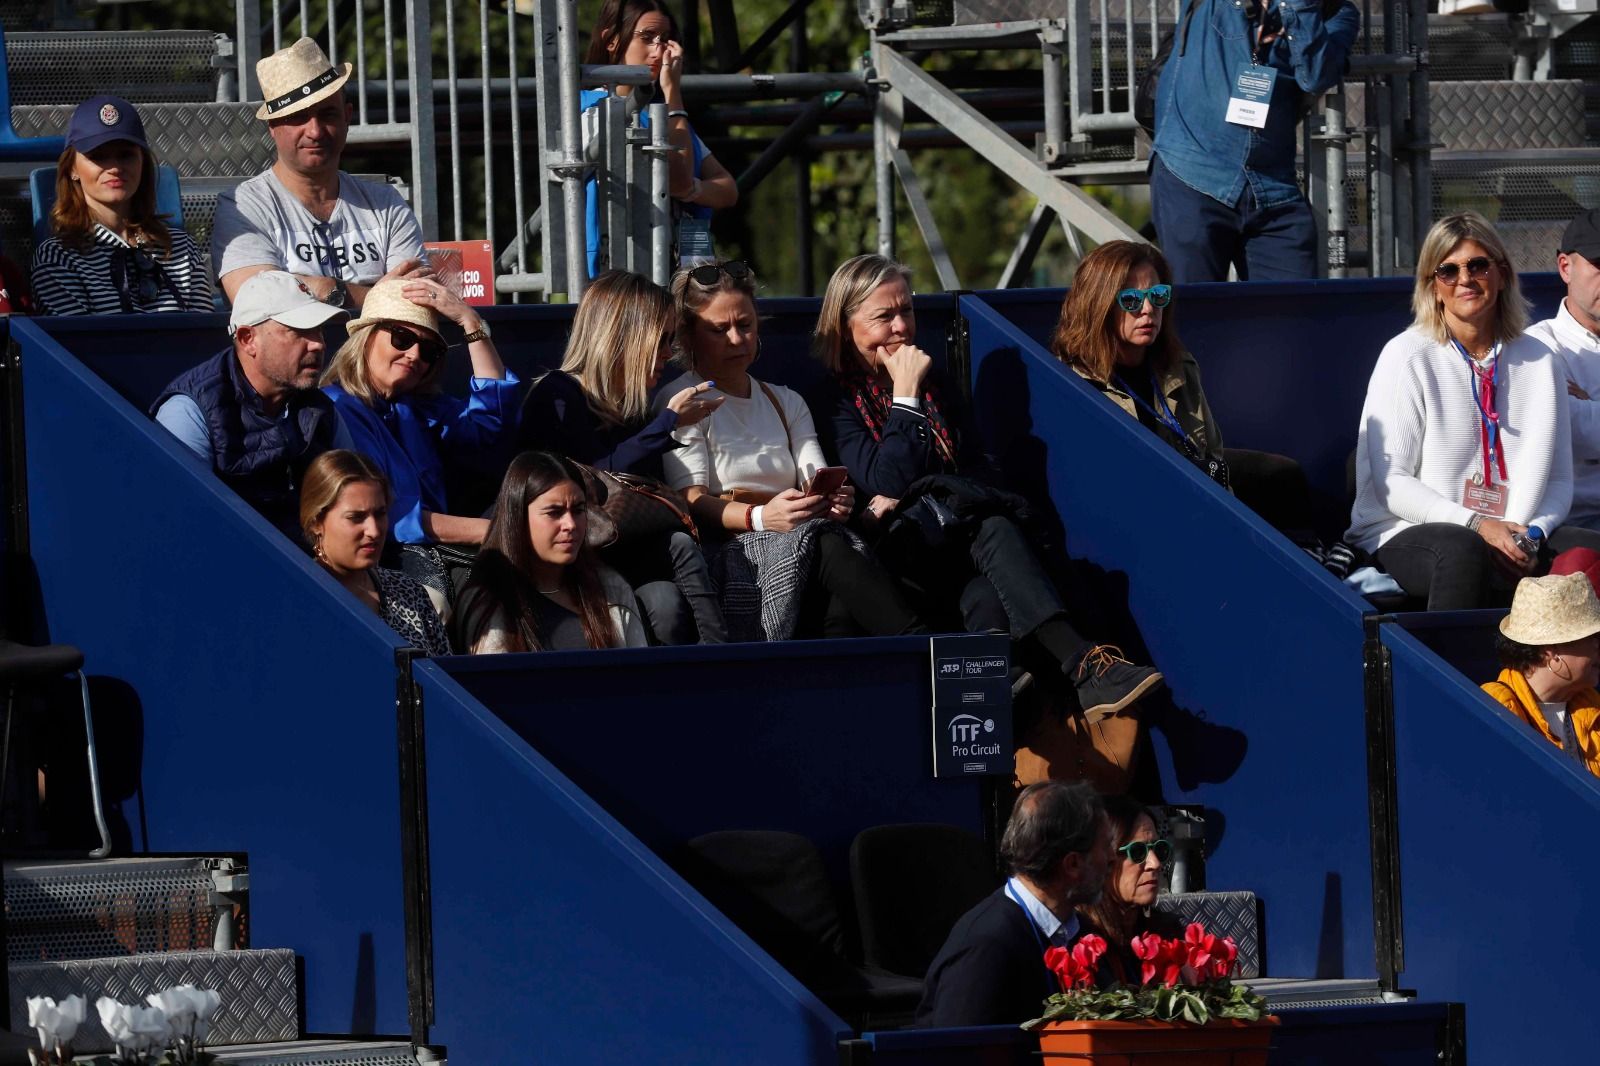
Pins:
x: 465, y: 266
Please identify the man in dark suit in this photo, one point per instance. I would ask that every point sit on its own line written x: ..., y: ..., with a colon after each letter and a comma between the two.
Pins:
x: 991, y: 970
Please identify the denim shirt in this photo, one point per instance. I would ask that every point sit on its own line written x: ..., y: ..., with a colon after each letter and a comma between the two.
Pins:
x: 1217, y: 157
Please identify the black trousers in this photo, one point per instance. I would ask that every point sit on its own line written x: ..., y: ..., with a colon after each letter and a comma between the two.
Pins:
x: 672, y: 583
x: 1453, y: 568
x: 848, y: 594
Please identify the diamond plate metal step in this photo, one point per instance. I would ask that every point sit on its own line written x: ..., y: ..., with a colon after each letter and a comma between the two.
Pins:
x: 260, y: 997
x: 1235, y: 914
x: 1290, y: 993
x: 320, y: 1053
x: 1493, y: 116
x: 90, y: 910
x: 141, y: 66
x: 199, y: 139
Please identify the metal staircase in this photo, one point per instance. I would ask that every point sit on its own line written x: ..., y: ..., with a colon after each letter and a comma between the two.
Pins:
x: 125, y: 928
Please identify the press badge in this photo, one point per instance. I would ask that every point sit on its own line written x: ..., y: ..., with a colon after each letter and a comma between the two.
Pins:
x: 1252, y: 96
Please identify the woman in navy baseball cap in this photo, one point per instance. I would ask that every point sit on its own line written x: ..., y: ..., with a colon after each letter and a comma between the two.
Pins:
x: 111, y: 253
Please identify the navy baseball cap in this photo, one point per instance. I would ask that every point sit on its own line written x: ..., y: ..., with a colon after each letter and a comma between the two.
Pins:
x: 101, y: 119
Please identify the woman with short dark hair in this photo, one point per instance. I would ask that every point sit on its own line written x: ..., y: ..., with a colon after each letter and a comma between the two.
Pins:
x: 110, y: 252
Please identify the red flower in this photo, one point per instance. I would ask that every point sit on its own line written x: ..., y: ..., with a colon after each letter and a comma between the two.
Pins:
x: 1209, y: 956
x: 1160, y: 960
x: 1075, y: 966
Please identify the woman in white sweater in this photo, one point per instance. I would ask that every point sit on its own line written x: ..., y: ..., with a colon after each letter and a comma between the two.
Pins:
x: 780, y: 553
x: 1464, y: 466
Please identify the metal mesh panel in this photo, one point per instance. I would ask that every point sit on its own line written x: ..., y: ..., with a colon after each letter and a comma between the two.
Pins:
x: 1492, y: 116
x: 198, y: 140
x: 16, y: 15
x: 259, y: 990
x: 1460, y: 47
x: 150, y: 66
x: 97, y: 910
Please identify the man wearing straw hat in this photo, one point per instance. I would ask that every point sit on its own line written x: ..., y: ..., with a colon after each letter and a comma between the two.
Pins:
x: 304, y: 215
x: 1549, y: 646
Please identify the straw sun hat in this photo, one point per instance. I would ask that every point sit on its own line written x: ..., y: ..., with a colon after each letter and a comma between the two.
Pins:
x: 386, y: 302
x: 294, y: 78
x: 1552, y: 610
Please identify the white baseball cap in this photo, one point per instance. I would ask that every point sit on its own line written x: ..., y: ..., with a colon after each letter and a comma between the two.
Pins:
x: 281, y: 297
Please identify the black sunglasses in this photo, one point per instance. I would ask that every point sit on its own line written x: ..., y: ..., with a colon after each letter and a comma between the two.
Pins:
x: 707, y: 274
x: 404, y: 338
x: 1477, y: 267
x: 1138, y: 850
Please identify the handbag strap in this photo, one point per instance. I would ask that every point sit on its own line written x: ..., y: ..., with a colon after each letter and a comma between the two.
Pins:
x: 788, y: 438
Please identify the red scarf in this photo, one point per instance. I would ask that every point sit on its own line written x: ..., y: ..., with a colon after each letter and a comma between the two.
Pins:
x: 874, y: 402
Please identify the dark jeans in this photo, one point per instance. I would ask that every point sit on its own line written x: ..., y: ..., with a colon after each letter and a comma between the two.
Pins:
x: 997, y: 579
x: 1453, y: 568
x: 1202, y: 237
x: 848, y: 594
x: 672, y: 583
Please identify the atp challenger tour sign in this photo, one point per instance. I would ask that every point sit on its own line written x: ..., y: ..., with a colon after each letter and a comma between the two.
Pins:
x: 971, y: 706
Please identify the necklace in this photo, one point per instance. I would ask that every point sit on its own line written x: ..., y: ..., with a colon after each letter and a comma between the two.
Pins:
x: 551, y: 592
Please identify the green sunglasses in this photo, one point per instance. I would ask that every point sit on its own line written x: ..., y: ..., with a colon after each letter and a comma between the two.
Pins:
x: 1139, y: 850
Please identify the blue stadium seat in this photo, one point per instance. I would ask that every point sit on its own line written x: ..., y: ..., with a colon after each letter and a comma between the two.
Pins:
x: 14, y: 149
x: 42, y: 189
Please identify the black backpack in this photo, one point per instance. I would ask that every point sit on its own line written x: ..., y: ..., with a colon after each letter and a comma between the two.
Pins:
x: 1144, y: 99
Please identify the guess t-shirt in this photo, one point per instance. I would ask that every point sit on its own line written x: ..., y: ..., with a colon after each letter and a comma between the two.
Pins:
x: 371, y: 231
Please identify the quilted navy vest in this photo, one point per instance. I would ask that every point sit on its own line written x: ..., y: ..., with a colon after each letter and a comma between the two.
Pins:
x: 262, y: 459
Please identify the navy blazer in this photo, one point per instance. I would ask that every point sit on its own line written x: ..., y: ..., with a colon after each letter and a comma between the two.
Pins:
x: 990, y: 971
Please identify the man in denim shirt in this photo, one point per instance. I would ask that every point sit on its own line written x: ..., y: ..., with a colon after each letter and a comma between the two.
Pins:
x: 1228, y: 105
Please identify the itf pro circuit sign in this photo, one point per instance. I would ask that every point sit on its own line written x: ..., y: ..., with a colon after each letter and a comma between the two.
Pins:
x: 971, y: 706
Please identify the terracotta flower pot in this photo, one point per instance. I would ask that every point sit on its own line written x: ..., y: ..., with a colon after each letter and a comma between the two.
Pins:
x: 1142, y: 1043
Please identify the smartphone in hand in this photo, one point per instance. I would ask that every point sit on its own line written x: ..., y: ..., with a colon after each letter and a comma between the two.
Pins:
x: 827, y: 481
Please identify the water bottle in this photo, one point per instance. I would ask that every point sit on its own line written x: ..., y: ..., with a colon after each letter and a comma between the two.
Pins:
x: 1529, y: 541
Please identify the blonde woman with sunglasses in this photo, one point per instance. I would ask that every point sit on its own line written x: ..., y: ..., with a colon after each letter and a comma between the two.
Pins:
x: 1464, y: 464
x: 384, y: 381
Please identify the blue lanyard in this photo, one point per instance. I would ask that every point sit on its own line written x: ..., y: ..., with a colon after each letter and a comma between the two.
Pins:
x: 1164, y: 415
x: 1486, y: 412
x: 1051, y: 981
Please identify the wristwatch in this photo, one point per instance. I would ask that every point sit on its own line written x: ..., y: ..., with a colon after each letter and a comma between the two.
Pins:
x: 339, y: 295
x: 479, y: 334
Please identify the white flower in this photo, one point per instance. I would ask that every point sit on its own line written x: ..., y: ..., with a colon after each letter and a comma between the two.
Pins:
x: 188, y: 1010
x: 133, y: 1028
x: 57, y: 1022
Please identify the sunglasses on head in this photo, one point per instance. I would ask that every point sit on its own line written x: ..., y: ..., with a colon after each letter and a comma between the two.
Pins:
x: 1477, y: 267
x: 404, y: 338
x: 136, y: 273
x: 1138, y: 850
x: 707, y: 274
x: 1132, y: 300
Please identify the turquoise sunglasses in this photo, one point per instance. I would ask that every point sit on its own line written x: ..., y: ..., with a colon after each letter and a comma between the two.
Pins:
x: 1132, y: 300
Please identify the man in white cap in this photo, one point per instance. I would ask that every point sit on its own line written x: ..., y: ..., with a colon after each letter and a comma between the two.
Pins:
x: 304, y: 215
x: 253, y: 412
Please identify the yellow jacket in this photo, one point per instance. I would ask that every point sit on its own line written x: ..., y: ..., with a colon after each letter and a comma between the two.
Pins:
x: 1511, y: 691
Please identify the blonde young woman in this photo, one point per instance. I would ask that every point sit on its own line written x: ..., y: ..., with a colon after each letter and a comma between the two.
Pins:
x: 110, y: 252
x: 596, y: 409
x: 1464, y: 463
x: 780, y: 552
x: 344, y: 516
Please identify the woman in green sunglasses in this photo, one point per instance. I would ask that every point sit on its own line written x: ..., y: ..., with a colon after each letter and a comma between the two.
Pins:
x: 1126, y: 907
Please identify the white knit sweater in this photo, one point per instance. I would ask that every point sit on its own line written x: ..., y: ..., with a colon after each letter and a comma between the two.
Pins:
x: 1421, y: 438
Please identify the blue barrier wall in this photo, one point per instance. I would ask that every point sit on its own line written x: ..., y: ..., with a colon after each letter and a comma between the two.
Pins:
x: 1285, y: 364
x: 558, y: 937
x: 174, y: 587
x: 1251, y: 634
x: 821, y: 738
x: 1497, y: 871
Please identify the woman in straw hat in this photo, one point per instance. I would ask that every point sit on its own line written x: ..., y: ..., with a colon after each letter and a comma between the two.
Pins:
x: 110, y: 252
x: 384, y: 381
x: 1549, y: 646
